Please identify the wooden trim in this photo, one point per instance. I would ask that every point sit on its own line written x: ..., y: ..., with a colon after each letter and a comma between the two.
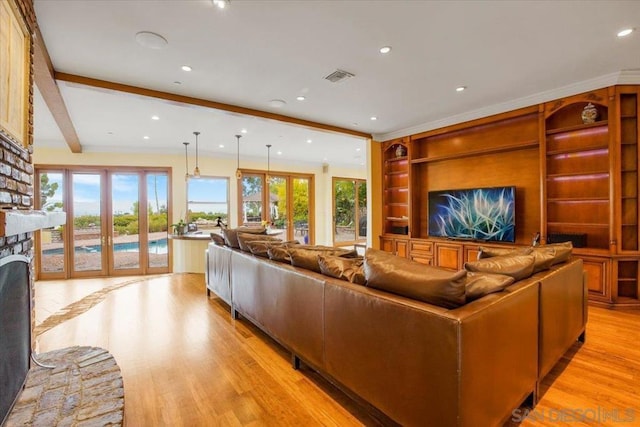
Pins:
x: 119, y: 87
x: 477, y: 122
x: 472, y: 153
x: 43, y: 77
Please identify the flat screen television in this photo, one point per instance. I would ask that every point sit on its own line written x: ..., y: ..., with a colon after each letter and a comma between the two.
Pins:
x: 487, y: 214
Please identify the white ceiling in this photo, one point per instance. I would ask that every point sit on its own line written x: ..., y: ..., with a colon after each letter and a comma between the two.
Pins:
x: 507, y: 53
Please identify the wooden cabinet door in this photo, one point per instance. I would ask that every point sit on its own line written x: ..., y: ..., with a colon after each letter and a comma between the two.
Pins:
x: 402, y: 248
x: 449, y: 255
x: 598, y: 281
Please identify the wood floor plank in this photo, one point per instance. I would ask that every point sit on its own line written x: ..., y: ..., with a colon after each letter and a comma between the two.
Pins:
x: 185, y: 362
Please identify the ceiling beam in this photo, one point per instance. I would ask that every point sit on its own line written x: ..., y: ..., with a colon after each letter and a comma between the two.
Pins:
x: 43, y: 75
x: 181, y: 99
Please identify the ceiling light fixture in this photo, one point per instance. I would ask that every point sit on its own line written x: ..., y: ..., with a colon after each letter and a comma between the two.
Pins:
x: 196, y: 171
x: 300, y: 98
x: 221, y: 4
x: 145, y: 137
x: 186, y: 161
x: 460, y: 88
x: 385, y: 49
x: 279, y: 153
x: 151, y: 40
x: 309, y: 141
x: 625, y: 32
x: 374, y: 118
x: 238, y: 171
x: 221, y: 145
x: 186, y: 68
x: 243, y: 131
x: 155, y: 118
x: 277, y: 103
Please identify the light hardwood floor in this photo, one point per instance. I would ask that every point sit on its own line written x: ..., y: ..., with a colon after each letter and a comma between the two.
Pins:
x: 185, y: 362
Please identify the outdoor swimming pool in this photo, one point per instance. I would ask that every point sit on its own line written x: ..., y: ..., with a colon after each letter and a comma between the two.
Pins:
x: 155, y: 247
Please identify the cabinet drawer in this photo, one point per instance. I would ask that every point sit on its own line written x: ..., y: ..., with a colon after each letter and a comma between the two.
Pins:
x: 422, y: 259
x: 422, y: 247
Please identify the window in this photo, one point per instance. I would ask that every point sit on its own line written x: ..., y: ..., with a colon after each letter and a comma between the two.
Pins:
x: 207, y: 200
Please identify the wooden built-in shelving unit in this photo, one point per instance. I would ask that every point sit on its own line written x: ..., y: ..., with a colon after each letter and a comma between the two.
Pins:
x: 571, y: 177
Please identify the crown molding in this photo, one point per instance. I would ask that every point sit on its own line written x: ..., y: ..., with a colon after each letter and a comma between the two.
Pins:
x: 617, y: 78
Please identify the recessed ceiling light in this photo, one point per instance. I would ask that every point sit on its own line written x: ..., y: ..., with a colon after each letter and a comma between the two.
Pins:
x: 109, y: 133
x: 221, y: 145
x: 300, y: 98
x: 277, y: 103
x: 151, y: 40
x: 625, y: 32
x: 385, y: 49
x: 460, y: 88
x: 186, y: 68
x: 309, y: 141
x: 324, y: 159
x: 155, y: 118
x: 177, y: 82
x: 243, y: 131
x: 357, y: 149
x: 374, y: 118
x: 279, y: 152
x: 145, y: 137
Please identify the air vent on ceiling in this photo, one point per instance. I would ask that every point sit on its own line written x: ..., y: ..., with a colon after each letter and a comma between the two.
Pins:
x: 338, y: 76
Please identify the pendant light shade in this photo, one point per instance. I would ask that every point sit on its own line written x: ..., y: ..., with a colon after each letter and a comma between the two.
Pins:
x: 238, y: 172
x: 196, y: 171
x: 186, y: 160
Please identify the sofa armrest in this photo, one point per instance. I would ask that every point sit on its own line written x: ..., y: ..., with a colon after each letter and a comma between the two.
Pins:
x: 425, y: 365
x: 218, y: 271
x: 563, y: 312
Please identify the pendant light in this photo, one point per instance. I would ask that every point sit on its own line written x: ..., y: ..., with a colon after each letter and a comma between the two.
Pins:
x: 196, y: 171
x: 238, y: 172
x: 186, y: 161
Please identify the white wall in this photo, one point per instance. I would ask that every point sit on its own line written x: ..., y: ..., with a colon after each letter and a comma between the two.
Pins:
x: 212, y: 167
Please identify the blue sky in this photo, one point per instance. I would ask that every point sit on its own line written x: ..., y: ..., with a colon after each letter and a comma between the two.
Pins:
x: 86, y: 192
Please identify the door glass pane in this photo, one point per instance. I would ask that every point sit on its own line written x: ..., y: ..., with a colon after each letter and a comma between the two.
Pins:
x: 301, y: 209
x: 278, y: 205
x: 157, y: 220
x: 251, y: 199
x: 52, y: 239
x: 125, y: 210
x: 344, y: 215
x: 362, y: 209
x: 86, y: 190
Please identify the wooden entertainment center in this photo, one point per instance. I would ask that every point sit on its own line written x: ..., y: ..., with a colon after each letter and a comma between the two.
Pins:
x: 573, y: 176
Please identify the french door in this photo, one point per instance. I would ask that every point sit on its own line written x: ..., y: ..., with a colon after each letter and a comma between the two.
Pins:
x: 283, y: 200
x: 349, y: 211
x: 117, y: 222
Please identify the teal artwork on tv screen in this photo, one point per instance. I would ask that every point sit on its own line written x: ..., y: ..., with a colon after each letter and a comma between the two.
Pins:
x: 486, y: 214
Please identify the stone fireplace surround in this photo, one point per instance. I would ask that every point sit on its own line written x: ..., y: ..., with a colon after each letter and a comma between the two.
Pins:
x: 82, y: 386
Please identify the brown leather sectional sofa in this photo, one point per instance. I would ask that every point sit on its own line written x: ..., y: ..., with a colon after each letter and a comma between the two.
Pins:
x: 416, y: 363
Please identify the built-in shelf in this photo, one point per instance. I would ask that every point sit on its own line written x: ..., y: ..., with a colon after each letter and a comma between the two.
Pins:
x: 578, y: 199
x: 395, y: 218
x: 482, y: 151
x: 397, y: 159
x: 577, y: 127
x: 577, y: 149
x: 578, y: 224
x: 578, y: 174
x: 398, y: 173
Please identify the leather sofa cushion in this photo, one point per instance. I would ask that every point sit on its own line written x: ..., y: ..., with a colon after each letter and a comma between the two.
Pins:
x: 279, y: 253
x: 307, y: 257
x: 484, y: 252
x: 517, y: 266
x: 563, y: 251
x: 231, y: 234
x: 244, y: 238
x: 543, y: 255
x: 349, y: 269
x: 414, y: 280
x: 217, y: 239
x: 261, y: 247
x: 478, y: 285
